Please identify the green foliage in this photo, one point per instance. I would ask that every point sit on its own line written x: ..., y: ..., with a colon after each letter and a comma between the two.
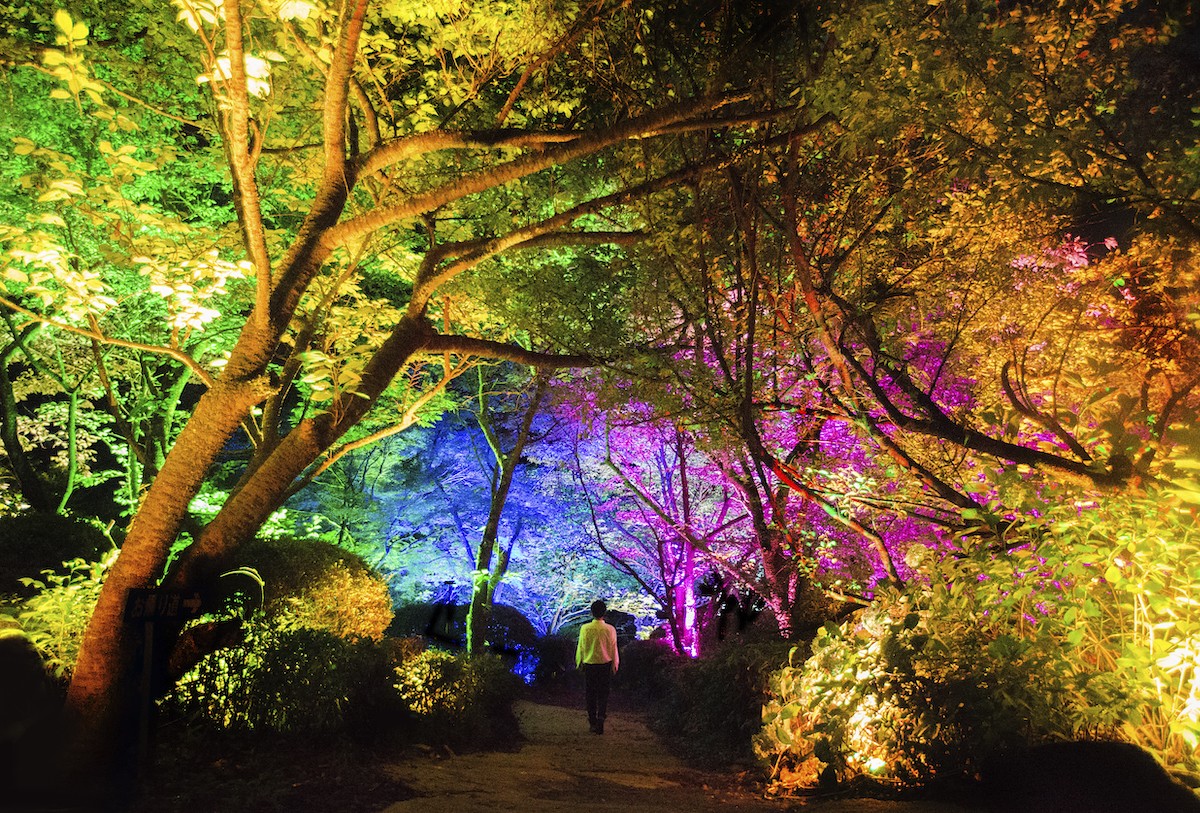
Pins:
x: 294, y: 681
x: 56, y: 616
x: 305, y: 681
x: 456, y: 699
x: 712, y: 706
x: 1087, y: 628
x: 1127, y: 566
x: 905, y: 698
x: 32, y: 543
x: 509, y: 633
x: 311, y: 660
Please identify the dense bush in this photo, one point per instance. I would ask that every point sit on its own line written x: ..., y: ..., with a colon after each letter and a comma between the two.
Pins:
x: 898, y: 695
x: 555, y: 658
x: 46, y: 541
x: 311, y: 584
x: 295, y: 681
x: 646, y: 666
x: 311, y: 661
x: 509, y: 633
x: 1089, y: 629
x: 458, y: 700
x: 310, y: 682
x: 29, y: 710
x: 446, y: 624
x: 712, y: 706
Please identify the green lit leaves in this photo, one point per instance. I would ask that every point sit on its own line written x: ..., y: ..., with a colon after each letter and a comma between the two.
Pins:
x: 1091, y: 624
x: 51, y: 265
x: 353, y: 328
x: 327, y: 377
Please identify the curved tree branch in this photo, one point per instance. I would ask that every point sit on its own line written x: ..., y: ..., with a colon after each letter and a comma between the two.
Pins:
x: 1026, y: 408
x: 485, y: 348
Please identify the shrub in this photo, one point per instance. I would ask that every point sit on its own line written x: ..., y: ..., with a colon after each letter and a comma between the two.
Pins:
x: 556, y: 658
x: 284, y: 680
x: 45, y: 542
x: 905, y: 696
x: 1089, y: 629
x: 444, y: 623
x: 712, y: 706
x: 646, y: 666
x: 509, y: 634
x: 312, y: 584
x: 508, y: 629
x: 311, y: 661
x: 458, y: 700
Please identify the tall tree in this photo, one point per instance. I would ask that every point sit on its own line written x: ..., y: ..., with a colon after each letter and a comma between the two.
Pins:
x: 356, y: 139
x: 492, y: 566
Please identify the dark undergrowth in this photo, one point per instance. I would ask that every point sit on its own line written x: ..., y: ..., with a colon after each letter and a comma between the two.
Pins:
x: 198, y: 773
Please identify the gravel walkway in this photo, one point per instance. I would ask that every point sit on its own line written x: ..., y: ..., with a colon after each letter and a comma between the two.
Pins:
x: 563, y: 768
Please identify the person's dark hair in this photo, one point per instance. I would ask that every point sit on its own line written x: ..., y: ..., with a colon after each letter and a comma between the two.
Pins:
x: 599, y: 608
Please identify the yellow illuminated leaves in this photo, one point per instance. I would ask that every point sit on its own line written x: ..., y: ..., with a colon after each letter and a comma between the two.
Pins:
x: 68, y: 66
x: 37, y: 265
x: 196, y: 14
x: 258, y: 72
x: 189, y: 287
x: 295, y: 10
x: 70, y: 33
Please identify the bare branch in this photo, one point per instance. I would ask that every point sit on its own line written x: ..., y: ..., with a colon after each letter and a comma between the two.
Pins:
x: 97, y: 335
x: 939, y: 425
x: 407, y: 419
x: 492, y: 177
x: 1026, y: 408
x: 485, y: 348
x: 414, y: 146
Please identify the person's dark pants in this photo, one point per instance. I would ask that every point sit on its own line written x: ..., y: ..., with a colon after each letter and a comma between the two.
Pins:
x: 597, y: 679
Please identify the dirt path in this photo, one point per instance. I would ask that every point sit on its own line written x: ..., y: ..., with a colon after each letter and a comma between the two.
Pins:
x: 562, y: 768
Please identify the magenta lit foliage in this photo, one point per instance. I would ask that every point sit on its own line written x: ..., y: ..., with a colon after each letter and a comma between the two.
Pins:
x: 687, y: 489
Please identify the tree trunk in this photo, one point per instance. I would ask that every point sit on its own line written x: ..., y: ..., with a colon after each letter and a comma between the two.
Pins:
x: 482, y: 586
x: 269, y: 481
x: 33, y: 489
x: 687, y: 601
x: 99, y: 700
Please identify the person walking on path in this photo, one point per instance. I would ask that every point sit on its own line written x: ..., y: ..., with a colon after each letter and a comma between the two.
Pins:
x: 597, y: 655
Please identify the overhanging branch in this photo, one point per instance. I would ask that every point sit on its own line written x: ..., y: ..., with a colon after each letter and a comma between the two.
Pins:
x: 485, y: 348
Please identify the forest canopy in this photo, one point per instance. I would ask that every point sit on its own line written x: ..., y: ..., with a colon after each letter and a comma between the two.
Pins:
x: 795, y: 305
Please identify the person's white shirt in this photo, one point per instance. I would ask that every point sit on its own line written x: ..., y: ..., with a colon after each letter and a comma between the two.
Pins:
x: 597, y: 644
